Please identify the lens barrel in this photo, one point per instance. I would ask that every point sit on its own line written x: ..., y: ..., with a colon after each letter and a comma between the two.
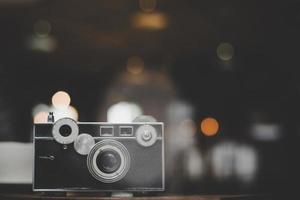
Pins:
x: 108, y: 161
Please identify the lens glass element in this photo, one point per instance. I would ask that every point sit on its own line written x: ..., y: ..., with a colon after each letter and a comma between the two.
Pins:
x: 65, y: 130
x: 108, y: 161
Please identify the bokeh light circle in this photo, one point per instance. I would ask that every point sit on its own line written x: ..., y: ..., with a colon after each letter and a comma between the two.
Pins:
x: 135, y: 65
x: 61, y: 99
x: 225, y: 51
x: 209, y: 126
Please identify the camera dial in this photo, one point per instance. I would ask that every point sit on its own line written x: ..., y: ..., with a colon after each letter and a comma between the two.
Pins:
x: 65, y: 130
x: 108, y: 161
x: 84, y: 143
x: 146, y: 135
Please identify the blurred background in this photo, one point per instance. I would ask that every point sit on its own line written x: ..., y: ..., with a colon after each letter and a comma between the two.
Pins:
x: 222, y: 75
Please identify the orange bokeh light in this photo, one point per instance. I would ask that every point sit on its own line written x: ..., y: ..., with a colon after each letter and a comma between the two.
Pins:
x: 150, y: 21
x: 209, y: 126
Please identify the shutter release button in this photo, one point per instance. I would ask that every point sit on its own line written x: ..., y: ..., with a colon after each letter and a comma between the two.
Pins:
x: 147, y: 135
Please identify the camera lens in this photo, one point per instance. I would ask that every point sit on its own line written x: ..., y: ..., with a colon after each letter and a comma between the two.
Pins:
x: 65, y: 130
x: 108, y: 161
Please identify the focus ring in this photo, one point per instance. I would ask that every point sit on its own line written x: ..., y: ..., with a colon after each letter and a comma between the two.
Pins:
x: 101, y: 147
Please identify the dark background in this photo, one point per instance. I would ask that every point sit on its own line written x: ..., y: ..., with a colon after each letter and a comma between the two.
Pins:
x: 95, y: 38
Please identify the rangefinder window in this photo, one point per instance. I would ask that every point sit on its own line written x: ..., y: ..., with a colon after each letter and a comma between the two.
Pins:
x: 106, y: 131
x: 126, y: 131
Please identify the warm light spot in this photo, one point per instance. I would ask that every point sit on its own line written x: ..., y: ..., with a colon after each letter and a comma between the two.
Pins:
x: 147, y: 5
x: 73, y: 112
x: 41, y: 117
x: 39, y: 108
x: 61, y: 99
x: 209, y: 126
x: 42, y: 28
x: 225, y: 51
x: 150, y: 21
x: 135, y: 65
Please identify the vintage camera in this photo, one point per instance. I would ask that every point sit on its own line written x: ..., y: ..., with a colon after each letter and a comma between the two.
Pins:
x: 98, y: 156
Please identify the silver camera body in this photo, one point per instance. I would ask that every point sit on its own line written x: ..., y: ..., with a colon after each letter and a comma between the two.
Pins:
x: 98, y: 156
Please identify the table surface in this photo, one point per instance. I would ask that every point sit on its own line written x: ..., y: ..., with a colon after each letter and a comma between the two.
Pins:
x: 21, y: 191
x: 71, y: 196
